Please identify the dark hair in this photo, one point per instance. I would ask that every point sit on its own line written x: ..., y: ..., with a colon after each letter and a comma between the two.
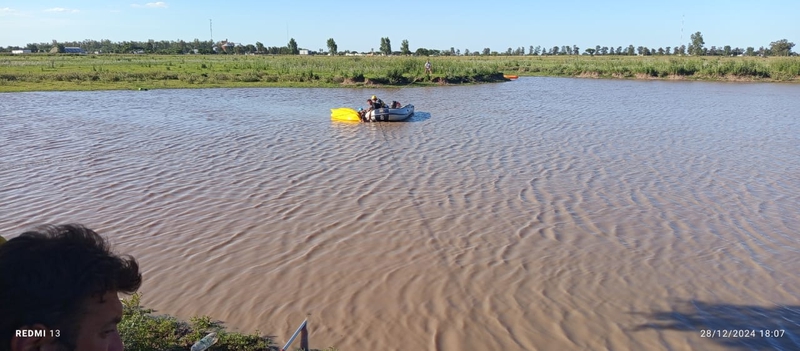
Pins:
x: 47, y: 276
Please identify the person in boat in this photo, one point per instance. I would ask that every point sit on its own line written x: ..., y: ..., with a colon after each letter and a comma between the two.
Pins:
x: 362, y: 112
x: 377, y: 103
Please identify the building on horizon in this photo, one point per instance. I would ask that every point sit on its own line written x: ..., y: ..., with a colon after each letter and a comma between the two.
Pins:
x: 73, y: 50
x: 18, y: 52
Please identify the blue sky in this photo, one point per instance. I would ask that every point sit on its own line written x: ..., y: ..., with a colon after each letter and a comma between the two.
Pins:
x: 359, y: 25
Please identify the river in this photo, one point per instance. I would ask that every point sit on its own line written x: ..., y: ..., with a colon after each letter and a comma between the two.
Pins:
x: 537, y: 214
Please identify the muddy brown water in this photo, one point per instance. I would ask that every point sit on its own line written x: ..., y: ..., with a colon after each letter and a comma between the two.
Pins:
x: 538, y: 214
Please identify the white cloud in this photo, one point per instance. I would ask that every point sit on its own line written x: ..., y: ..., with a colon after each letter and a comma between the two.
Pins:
x: 7, y: 11
x: 159, y: 4
x: 62, y: 10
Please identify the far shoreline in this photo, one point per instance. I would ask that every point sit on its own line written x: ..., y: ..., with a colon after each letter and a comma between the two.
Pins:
x: 156, y: 85
x: 67, y: 72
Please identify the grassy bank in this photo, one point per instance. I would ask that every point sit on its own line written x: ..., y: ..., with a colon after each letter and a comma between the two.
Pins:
x: 99, y: 72
x: 141, y: 330
x: 96, y: 72
x: 680, y: 67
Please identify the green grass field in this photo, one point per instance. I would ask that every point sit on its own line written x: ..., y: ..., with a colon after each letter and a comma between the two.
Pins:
x: 39, y: 72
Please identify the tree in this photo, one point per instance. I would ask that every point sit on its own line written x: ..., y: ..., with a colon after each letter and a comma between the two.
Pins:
x: 293, y: 47
x: 750, y: 51
x: 781, y: 47
x: 726, y: 50
x: 332, y: 47
x: 667, y: 50
x: 631, y: 50
x: 466, y: 52
x: 640, y: 50
x: 58, y: 48
x: 404, y: 47
x: 696, y: 47
x: 486, y: 51
x: 555, y: 50
x: 590, y: 51
x: 259, y: 47
x: 386, y: 46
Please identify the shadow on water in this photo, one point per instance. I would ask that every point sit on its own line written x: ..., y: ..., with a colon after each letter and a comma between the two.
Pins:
x: 419, y: 117
x: 697, y: 316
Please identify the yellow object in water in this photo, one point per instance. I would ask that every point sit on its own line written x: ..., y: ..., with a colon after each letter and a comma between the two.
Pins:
x: 344, y: 114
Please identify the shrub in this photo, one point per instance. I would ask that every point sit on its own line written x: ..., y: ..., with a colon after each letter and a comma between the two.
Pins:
x: 142, y: 331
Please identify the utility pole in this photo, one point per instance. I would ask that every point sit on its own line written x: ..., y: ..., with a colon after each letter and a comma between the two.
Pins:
x: 211, y: 31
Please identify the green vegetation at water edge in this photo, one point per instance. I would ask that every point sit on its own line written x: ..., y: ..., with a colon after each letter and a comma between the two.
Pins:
x: 142, y: 331
x: 95, y: 72
x: 680, y: 67
x: 39, y: 72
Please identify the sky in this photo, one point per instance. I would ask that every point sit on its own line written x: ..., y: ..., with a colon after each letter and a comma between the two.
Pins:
x: 360, y: 25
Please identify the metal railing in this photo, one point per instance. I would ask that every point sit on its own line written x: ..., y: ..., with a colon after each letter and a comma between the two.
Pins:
x: 303, y: 331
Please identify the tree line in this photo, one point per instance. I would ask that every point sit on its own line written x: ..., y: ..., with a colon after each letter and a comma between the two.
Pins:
x: 695, y: 47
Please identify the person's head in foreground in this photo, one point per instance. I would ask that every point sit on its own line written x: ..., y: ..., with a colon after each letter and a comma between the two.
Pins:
x: 58, y: 291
